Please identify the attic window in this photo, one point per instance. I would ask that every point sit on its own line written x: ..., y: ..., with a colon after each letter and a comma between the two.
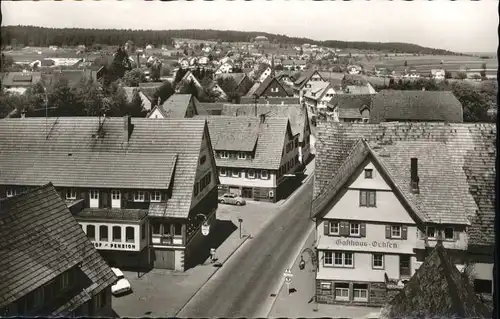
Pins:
x: 368, y: 173
x: 431, y: 232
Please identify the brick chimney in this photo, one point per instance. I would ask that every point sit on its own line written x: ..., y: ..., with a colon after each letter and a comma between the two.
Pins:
x: 127, y: 128
x: 414, y: 175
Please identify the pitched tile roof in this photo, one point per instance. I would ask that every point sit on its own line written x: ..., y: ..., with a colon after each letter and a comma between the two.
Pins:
x: 112, y: 213
x: 437, y: 289
x: 211, y: 108
x: 40, y: 239
x: 253, y: 89
x: 259, y: 90
x: 20, y: 79
x: 304, y: 77
x: 157, y: 152
x: 244, y: 133
x: 359, y: 89
x: 390, y: 105
x: 270, y: 100
x: 350, y: 106
x: 456, y: 168
x: 176, y: 105
x: 317, y: 88
x: 296, y: 114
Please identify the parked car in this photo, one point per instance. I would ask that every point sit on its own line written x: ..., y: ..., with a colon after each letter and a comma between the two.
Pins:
x: 232, y: 199
x: 122, y: 285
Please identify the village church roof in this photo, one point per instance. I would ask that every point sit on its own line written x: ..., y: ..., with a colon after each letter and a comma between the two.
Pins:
x: 39, y: 240
x: 456, y: 168
x: 437, y: 290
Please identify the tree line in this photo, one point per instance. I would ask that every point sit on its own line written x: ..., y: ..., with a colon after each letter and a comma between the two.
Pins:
x: 44, y: 37
x: 41, y: 36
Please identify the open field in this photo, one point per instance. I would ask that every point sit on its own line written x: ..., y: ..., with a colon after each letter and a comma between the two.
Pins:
x: 427, y: 62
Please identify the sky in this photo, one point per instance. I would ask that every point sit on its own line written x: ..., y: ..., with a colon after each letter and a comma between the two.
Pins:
x: 461, y: 26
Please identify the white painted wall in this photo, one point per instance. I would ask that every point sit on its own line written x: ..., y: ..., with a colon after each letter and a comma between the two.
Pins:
x: 155, y: 115
x: 248, y: 182
x: 139, y: 244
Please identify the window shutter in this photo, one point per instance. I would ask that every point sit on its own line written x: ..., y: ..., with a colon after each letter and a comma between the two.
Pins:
x: 387, y: 231
x: 455, y: 234
x: 362, y: 229
x: 85, y: 196
x: 371, y: 196
x: 146, y: 196
x: 326, y: 227
x: 122, y: 199
x: 344, y: 229
x: 362, y: 198
x: 257, y: 173
x: 105, y: 195
x: 404, y: 232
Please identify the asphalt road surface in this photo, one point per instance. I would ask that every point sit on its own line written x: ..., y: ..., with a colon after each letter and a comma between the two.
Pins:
x: 242, y: 287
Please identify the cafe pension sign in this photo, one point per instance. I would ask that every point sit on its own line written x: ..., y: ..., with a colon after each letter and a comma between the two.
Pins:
x: 366, y: 244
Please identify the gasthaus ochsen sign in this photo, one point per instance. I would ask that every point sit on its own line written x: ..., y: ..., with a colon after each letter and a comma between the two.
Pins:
x: 366, y: 244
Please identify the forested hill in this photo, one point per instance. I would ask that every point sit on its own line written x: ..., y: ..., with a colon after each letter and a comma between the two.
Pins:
x: 39, y: 36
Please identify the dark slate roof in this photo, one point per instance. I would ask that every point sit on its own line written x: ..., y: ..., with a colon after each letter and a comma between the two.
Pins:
x: 253, y: 89
x: 296, y: 114
x: 20, y: 79
x: 246, y: 134
x: 39, y: 240
x: 211, y: 108
x: 437, y: 290
x: 157, y: 152
x: 270, y: 100
x: 350, y: 106
x: 390, y: 105
x: 112, y: 213
x: 299, y: 83
x: 456, y: 168
x: 259, y: 90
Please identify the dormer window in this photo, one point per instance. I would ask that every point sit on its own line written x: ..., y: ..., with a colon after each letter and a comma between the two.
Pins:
x: 242, y: 155
x: 224, y: 154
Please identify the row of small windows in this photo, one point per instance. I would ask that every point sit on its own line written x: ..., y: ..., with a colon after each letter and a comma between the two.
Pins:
x: 239, y: 155
x: 166, y: 229
x: 116, y: 233
x: 202, y: 183
x: 248, y: 173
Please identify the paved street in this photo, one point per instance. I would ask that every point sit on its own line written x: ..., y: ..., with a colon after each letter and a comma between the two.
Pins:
x: 242, y: 288
x: 297, y: 304
x: 162, y: 293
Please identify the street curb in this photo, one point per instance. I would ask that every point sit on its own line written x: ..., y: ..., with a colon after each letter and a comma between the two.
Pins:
x: 282, y: 284
x: 210, y: 277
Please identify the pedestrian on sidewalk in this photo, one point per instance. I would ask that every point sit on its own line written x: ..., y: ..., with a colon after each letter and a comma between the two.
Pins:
x: 212, y: 255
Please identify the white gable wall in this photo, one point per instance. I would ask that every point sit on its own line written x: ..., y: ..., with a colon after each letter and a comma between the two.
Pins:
x: 156, y: 114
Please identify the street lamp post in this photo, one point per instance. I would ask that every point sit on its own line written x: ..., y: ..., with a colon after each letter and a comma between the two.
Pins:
x: 302, y: 265
x: 240, y: 221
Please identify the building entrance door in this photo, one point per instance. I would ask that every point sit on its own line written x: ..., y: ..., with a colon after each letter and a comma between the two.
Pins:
x: 247, y: 192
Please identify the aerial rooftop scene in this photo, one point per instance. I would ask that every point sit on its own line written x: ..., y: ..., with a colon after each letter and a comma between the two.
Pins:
x: 248, y: 159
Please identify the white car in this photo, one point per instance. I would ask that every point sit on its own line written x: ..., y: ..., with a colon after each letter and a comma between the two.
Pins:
x: 121, y: 285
